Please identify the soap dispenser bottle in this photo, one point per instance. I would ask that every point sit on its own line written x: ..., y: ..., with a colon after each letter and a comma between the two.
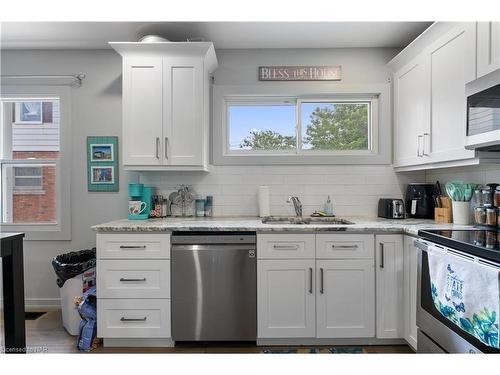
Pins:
x: 328, y: 207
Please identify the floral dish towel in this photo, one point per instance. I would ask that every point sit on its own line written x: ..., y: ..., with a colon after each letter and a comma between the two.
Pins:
x: 467, y: 293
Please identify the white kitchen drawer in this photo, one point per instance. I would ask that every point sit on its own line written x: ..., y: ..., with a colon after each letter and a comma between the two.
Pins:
x: 285, y: 245
x: 129, y: 318
x: 133, y: 278
x: 345, y: 246
x: 133, y: 245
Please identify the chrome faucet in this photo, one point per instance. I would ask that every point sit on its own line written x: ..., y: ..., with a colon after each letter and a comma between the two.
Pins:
x: 296, y: 204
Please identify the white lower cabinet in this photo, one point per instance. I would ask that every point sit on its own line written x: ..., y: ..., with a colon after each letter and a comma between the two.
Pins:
x: 133, y: 288
x: 410, y: 255
x: 389, y: 280
x: 345, y: 303
x: 285, y: 298
x: 333, y: 297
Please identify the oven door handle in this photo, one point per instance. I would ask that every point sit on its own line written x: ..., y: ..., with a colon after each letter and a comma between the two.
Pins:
x: 420, y: 245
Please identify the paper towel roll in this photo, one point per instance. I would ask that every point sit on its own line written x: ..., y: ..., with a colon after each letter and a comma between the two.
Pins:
x: 264, y: 201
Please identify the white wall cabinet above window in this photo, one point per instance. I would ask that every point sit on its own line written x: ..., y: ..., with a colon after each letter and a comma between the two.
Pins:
x: 430, y: 100
x: 166, y: 104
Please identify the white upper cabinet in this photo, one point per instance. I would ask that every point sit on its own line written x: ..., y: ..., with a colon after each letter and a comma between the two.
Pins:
x: 389, y: 281
x: 166, y: 104
x: 488, y: 47
x: 411, y: 111
x: 452, y: 65
x: 430, y: 99
x: 183, y: 111
x: 142, y: 111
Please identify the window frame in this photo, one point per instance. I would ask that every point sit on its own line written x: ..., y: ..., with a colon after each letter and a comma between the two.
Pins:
x: 61, y: 230
x: 18, y: 113
x: 28, y: 188
x: 256, y: 101
x: 381, y: 153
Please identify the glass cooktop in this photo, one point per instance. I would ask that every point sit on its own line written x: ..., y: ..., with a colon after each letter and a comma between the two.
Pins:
x: 484, y: 243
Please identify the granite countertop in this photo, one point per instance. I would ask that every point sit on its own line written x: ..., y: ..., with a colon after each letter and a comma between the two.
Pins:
x: 361, y: 224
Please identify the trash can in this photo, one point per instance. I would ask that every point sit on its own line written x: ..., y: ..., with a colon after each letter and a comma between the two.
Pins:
x: 75, y: 274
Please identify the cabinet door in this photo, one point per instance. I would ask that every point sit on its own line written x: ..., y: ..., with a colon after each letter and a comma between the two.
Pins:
x: 184, y: 128
x: 389, y: 279
x: 345, y: 303
x: 488, y: 47
x: 142, y: 111
x: 411, y: 111
x: 452, y: 66
x: 410, y: 291
x: 285, y: 298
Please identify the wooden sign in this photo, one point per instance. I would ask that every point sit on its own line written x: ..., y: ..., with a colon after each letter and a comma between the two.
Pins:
x: 300, y: 73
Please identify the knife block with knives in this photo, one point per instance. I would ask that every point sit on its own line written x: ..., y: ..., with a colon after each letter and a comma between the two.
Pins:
x: 443, y: 212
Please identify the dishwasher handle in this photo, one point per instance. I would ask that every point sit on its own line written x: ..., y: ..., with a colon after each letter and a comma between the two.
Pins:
x: 213, y: 247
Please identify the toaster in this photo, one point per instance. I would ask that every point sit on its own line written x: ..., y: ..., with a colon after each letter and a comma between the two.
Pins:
x: 391, y: 208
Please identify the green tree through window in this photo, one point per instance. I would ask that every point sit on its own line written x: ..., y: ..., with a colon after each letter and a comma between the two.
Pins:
x: 332, y: 126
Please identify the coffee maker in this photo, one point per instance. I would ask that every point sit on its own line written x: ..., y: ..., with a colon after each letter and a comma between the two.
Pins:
x: 419, y: 201
x: 139, y: 201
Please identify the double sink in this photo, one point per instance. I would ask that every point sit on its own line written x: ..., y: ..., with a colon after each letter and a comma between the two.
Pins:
x: 299, y: 220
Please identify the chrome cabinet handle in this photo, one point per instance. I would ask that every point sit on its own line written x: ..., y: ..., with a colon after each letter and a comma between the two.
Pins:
x: 286, y: 247
x: 157, y: 147
x: 423, y: 144
x: 345, y: 246
x: 166, y: 147
x: 132, y: 246
x: 322, y: 280
x: 123, y: 319
x: 418, y: 145
x: 310, y: 280
x: 381, y: 255
x: 122, y: 279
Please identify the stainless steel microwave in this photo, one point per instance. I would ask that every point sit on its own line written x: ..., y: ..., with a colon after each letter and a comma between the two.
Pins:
x: 483, y: 113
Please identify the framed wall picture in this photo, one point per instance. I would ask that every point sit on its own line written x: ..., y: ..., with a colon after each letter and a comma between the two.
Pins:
x: 102, y: 164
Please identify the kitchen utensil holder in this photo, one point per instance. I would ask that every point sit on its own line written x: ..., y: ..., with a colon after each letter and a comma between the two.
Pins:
x: 461, y: 212
x: 444, y: 214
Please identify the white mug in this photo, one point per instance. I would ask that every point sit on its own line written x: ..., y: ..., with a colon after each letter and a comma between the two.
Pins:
x: 136, y: 207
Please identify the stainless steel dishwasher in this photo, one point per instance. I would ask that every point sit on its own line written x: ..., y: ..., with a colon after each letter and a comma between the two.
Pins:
x: 214, y: 286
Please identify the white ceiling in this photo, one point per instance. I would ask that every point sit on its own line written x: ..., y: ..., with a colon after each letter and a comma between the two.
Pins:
x: 95, y: 35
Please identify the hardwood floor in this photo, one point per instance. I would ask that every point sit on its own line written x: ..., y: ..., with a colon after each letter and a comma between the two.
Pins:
x: 46, y: 335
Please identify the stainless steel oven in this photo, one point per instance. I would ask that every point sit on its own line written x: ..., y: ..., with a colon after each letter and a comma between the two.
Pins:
x: 436, y: 334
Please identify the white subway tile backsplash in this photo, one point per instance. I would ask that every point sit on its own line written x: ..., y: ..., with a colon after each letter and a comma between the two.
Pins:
x: 354, y: 190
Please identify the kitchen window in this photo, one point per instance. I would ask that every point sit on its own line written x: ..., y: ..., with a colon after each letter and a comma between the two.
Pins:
x: 33, y: 139
x: 298, y: 126
x: 340, y: 128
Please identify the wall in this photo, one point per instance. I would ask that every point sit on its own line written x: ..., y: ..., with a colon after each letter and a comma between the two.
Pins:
x: 354, y: 189
x: 96, y: 110
x: 480, y: 174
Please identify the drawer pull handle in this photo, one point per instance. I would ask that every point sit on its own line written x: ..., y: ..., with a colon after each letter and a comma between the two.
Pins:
x: 132, y: 246
x: 345, y: 246
x: 286, y: 247
x: 124, y: 279
x: 123, y: 319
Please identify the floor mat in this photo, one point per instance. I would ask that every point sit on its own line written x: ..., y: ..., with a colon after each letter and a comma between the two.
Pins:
x: 33, y: 315
x: 313, y: 350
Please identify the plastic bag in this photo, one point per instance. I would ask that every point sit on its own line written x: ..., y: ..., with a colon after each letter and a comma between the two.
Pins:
x: 88, y: 325
x: 73, y: 264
